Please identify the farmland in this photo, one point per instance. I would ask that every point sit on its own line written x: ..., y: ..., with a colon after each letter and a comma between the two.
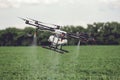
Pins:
x: 81, y: 63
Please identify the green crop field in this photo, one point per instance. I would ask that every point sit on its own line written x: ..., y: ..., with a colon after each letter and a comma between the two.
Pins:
x: 81, y: 63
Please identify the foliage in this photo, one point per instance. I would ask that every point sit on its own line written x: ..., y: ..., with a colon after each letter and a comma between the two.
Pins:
x: 104, y: 33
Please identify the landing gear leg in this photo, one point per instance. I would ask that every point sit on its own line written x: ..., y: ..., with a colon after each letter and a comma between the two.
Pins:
x: 59, y: 47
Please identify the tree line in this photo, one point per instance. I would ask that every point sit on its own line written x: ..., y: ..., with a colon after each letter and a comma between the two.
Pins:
x: 104, y: 33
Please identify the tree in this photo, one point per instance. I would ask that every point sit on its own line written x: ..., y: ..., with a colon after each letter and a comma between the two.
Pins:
x: 104, y: 33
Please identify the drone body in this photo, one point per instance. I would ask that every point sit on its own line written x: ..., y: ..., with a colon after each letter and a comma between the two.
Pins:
x: 59, y: 38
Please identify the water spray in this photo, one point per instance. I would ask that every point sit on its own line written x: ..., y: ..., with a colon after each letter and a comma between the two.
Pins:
x: 35, y: 34
x: 34, y: 39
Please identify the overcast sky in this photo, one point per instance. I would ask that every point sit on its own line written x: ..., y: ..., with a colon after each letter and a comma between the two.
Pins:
x: 62, y: 12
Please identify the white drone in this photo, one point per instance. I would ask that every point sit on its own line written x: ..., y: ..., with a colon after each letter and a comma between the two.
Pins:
x: 59, y: 38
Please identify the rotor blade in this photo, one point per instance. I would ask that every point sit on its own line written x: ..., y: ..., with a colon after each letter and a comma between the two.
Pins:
x: 23, y: 19
x: 35, y: 20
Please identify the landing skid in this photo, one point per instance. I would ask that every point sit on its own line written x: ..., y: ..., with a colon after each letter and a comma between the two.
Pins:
x: 55, y: 49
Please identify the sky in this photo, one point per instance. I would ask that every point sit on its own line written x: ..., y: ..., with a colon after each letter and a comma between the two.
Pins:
x: 61, y: 12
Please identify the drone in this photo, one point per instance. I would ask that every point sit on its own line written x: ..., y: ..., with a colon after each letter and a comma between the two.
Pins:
x: 59, y: 37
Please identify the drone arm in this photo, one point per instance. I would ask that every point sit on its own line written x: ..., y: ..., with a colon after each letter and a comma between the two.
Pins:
x: 46, y: 27
x: 42, y: 27
x: 37, y: 24
x: 77, y: 36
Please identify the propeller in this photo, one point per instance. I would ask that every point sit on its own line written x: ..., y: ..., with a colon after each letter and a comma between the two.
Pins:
x: 36, y: 22
x: 23, y: 19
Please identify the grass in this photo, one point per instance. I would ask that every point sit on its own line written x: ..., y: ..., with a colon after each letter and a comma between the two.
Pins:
x: 82, y: 63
